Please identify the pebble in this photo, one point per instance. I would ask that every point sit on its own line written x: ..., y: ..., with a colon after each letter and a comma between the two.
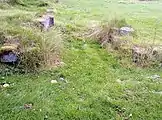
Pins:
x: 130, y: 115
x: 160, y: 92
x: 154, y: 77
x: 62, y: 79
x: 62, y: 63
x: 119, y: 81
x: 54, y: 81
x: 28, y: 106
x: 6, y: 85
x: 126, y: 30
x: 45, y: 117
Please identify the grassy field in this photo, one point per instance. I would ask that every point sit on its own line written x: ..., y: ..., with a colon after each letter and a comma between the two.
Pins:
x: 94, y: 84
x: 144, y: 17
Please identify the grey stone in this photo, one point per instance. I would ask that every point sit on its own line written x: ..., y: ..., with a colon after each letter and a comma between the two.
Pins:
x: 46, y: 21
x: 154, y: 77
x: 28, y: 106
x: 9, y: 58
x: 54, y: 81
x: 62, y: 79
x: 6, y: 85
x: 160, y: 92
x: 139, y: 54
x: 126, y: 30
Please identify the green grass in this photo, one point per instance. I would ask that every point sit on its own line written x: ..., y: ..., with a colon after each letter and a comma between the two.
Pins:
x: 97, y: 86
x: 143, y: 17
x: 92, y: 90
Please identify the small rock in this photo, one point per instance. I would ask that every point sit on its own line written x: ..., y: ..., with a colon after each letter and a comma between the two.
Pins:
x: 119, y: 81
x: 62, y: 79
x: 154, y: 77
x: 62, y: 63
x: 85, y: 46
x: 126, y: 30
x: 45, y: 117
x: 50, y: 10
x: 54, y: 81
x: 58, y: 63
x: 160, y: 92
x: 9, y: 58
x: 28, y: 106
x: 130, y: 115
x: 6, y: 85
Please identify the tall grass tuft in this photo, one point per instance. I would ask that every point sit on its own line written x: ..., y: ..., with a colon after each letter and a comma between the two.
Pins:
x: 37, y: 50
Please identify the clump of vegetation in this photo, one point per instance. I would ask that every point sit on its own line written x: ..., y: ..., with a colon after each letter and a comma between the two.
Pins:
x: 109, y: 36
x: 109, y: 33
x: 35, y: 50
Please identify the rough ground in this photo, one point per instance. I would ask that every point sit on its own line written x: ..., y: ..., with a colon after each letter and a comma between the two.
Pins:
x: 93, y: 84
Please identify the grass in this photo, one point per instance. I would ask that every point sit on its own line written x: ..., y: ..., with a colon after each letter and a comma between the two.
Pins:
x: 144, y: 18
x: 96, y: 86
x: 92, y: 90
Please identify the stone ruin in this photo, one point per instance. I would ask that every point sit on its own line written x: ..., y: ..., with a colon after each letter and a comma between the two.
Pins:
x: 141, y: 55
x: 113, y: 36
x: 120, y: 38
x: 9, y: 50
x: 10, y: 46
x: 46, y: 20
